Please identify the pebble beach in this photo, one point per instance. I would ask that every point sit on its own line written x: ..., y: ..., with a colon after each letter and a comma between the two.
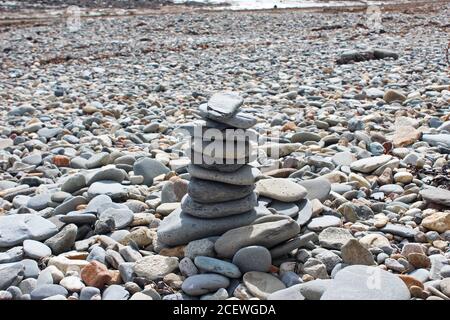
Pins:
x: 347, y: 196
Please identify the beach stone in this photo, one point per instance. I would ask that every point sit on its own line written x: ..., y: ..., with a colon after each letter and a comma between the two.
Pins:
x: 358, y: 282
x: 253, y: 258
x: 95, y: 274
x: 64, y: 240
x: 291, y: 293
x: 149, y: 169
x: 187, y: 267
x: 204, y: 283
x: 74, y: 183
x: 239, y: 120
x: 323, y: 222
x: 48, y: 290
x: 245, y: 175
x: 11, y: 255
x: 36, y: 250
x: 225, y: 104
x: 180, y: 228
x: 436, y: 195
x: 39, y: 201
x: 115, y: 292
x: 14, y: 229
x: 313, y: 290
x: 262, y: 284
x: 318, y: 188
x: 344, y: 158
x: 122, y: 217
x: 439, y: 221
x: 174, y: 190
x: 403, y: 177
x: 72, y: 284
x: 11, y: 275
x: 87, y: 293
x: 368, y: 165
x: 213, y: 265
x: 305, y: 211
x: 218, y: 209
x: 399, y: 230
x: 107, y: 173
x: 437, y: 139
x: 374, y: 240
x: 266, y: 234
x: 393, y: 95
x: 303, y: 136
x: 281, y: 189
x: 285, y: 208
x: 155, y: 267
x: 353, y: 252
x: 334, y: 238
x: 112, y: 189
x: 205, y: 191
x: 201, y: 247
x: 97, y: 160
x: 445, y: 286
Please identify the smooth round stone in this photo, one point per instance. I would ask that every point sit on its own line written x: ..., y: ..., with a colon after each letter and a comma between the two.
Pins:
x: 111, y: 174
x: 285, y: 208
x: 281, y: 189
x: 219, y: 209
x: 74, y: 183
x: 77, y: 218
x: 391, y: 188
x: 399, y: 230
x: 321, y: 223
x: 122, y: 217
x: 149, y: 169
x: 115, y: 292
x: 205, y: 191
x: 305, y: 211
x: 403, y: 177
x: 366, y: 283
x: 155, y: 266
x: 72, y: 284
x: 204, y: 283
x: 12, y: 255
x: 180, y: 228
x: 370, y: 164
x: 60, y: 196
x: 88, y: 292
x: 97, y: 160
x: 262, y: 284
x: 48, y: 290
x: 36, y: 250
x: 112, y: 189
x: 253, y: 258
x: 304, y: 136
x: 39, y: 201
x: 14, y: 229
x: 318, y: 188
x: 69, y: 205
x: 267, y: 234
x: 245, y: 175
x: 292, y: 244
x: 10, y: 274
x: 217, y: 266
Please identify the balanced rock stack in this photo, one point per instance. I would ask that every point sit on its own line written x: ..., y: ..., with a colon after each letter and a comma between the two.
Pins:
x: 221, y: 193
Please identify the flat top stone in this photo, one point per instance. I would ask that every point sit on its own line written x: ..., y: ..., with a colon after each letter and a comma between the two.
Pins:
x: 203, y: 283
x: 281, y: 189
x: 217, y: 266
x: 334, y: 238
x: 368, y: 165
x: 35, y: 249
x: 225, y: 104
x: 245, y: 175
x: 366, y: 283
x: 436, y: 195
x: 318, y: 188
x: 14, y: 229
x: 262, y: 284
x: 320, y: 223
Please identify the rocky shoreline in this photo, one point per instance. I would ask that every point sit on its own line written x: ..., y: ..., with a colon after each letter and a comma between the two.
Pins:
x: 351, y: 184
